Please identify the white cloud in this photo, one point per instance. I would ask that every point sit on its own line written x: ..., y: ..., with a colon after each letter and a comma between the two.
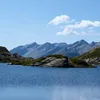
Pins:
x: 83, y: 25
x: 68, y: 30
x: 59, y: 19
x: 73, y: 27
x: 88, y: 23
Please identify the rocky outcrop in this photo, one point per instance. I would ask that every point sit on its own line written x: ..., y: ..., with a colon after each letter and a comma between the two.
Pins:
x: 95, y: 60
x: 54, y: 62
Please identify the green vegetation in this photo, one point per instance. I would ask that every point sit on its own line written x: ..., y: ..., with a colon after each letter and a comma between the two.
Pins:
x: 3, y: 50
x: 79, y: 63
x: 57, y: 56
x: 24, y: 62
x: 39, y: 59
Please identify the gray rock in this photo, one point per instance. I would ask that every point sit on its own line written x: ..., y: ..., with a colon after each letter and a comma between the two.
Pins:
x: 54, y: 62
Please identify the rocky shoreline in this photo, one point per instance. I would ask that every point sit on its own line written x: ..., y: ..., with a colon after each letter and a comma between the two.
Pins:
x: 56, y: 60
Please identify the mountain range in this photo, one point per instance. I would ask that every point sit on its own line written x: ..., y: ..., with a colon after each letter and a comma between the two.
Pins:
x: 35, y: 50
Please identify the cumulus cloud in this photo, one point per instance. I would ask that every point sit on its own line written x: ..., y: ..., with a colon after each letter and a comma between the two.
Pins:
x: 72, y: 27
x: 82, y: 25
x: 88, y: 23
x: 59, y: 20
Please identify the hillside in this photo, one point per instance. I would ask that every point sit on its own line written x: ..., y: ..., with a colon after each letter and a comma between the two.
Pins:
x: 3, y: 50
x: 92, y: 56
x: 5, y: 55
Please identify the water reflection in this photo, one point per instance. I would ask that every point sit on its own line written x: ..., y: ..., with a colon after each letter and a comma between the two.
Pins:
x: 50, y: 93
x: 76, y: 93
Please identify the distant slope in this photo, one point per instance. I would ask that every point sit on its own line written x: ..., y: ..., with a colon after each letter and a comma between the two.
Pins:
x: 21, y: 50
x: 40, y: 50
x: 35, y: 50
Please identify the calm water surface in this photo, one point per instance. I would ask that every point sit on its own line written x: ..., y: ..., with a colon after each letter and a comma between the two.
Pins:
x: 32, y: 83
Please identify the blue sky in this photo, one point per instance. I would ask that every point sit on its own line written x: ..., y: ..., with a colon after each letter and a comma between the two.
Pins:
x: 27, y: 21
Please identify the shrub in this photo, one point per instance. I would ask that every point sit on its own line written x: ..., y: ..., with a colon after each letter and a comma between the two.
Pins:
x: 79, y: 62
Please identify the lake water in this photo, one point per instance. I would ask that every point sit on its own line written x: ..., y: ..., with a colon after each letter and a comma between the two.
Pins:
x: 36, y: 83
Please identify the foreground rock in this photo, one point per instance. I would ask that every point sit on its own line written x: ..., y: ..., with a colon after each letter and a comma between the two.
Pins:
x: 53, y: 61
